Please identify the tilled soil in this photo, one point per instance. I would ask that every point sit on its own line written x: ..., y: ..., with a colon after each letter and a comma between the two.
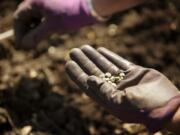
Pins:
x: 37, y: 97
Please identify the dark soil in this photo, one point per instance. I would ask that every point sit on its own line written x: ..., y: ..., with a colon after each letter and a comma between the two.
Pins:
x: 37, y: 97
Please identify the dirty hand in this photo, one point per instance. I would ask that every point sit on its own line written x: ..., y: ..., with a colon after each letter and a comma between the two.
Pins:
x: 37, y: 19
x: 141, y: 95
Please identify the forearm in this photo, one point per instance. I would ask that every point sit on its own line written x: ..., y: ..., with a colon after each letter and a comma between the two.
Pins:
x: 108, y: 7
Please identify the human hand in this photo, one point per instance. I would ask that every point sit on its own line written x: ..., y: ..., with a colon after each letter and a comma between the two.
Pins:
x: 35, y: 20
x: 143, y: 96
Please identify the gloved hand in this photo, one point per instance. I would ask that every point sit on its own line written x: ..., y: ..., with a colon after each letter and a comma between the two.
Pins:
x: 37, y: 19
x: 144, y: 95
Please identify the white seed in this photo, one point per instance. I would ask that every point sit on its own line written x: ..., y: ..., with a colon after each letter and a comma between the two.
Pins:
x: 121, y: 78
x: 117, y: 78
x: 108, y: 75
x: 112, y: 79
x: 122, y: 74
x: 109, y: 82
x: 107, y: 79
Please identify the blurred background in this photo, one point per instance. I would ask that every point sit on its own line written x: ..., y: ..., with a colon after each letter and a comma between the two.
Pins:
x: 37, y: 97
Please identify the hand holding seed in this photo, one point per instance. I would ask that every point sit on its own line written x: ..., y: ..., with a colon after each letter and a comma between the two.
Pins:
x: 35, y: 20
x: 128, y: 91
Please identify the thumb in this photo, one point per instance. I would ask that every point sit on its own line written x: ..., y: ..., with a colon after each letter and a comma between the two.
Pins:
x: 95, y: 82
x: 104, y: 90
x: 100, y: 87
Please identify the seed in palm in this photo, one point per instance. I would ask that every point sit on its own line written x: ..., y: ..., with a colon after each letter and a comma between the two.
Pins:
x: 112, y: 79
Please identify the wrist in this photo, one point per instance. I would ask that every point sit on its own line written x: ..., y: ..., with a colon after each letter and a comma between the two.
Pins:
x: 164, y: 117
x: 104, y: 7
x: 173, y: 125
x: 94, y: 12
x: 109, y: 7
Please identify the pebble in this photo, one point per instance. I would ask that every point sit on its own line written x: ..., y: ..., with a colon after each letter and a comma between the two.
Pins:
x: 51, y: 50
x: 132, y: 128
x: 112, y: 30
x: 158, y: 133
x: 118, y: 131
x: 26, y: 130
x: 92, y: 130
x: 33, y: 73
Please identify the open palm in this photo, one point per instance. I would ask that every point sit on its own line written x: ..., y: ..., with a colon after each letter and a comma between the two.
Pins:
x: 141, y: 97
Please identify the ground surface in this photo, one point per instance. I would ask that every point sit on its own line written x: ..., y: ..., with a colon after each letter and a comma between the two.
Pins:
x: 36, y: 96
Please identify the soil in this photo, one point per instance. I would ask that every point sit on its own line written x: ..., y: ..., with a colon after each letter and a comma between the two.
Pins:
x: 37, y: 97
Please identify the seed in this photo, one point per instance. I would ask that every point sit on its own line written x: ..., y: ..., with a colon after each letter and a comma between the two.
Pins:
x: 109, y: 82
x: 122, y: 74
x: 117, y: 78
x: 112, y: 79
x: 121, y: 78
x: 108, y: 75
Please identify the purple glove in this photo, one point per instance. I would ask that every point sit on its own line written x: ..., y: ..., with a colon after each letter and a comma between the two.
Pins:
x: 138, y: 95
x: 37, y: 19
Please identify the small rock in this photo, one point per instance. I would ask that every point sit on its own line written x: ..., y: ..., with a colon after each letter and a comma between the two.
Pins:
x: 26, y: 130
x: 118, y: 131
x: 112, y: 30
x: 158, y: 133
x: 33, y: 74
x: 133, y: 128
x: 91, y: 35
x: 92, y: 130
x: 51, y: 50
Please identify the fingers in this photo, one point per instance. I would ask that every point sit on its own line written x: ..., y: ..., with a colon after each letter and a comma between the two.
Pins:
x: 116, y: 59
x: 80, y: 78
x: 20, y: 21
x: 32, y: 38
x: 76, y: 74
x: 105, y: 91
x: 100, y: 61
x: 84, y: 62
x: 26, y: 18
